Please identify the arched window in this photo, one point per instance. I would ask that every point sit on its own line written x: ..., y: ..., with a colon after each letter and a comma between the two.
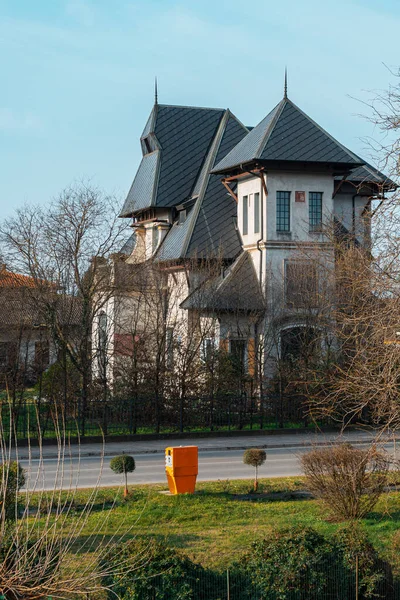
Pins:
x: 298, y: 343
x: 102, y: 343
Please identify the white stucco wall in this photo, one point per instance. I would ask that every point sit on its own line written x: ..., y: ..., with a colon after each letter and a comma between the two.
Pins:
x: 343, y: 210
x: 299, y: 211
x: 277, y: 247
x: 248, y: 187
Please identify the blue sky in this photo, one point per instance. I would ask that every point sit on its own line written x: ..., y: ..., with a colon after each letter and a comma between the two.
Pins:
x: 78, y: 76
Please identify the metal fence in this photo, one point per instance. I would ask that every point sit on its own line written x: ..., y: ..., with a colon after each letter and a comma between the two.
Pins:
x: 337, y: 584
x: 149, y: 415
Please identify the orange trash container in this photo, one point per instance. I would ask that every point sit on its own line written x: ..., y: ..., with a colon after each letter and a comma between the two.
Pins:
x: 182, y: 467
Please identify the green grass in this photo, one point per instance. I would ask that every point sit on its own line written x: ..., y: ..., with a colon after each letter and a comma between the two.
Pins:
x: 218, y: 523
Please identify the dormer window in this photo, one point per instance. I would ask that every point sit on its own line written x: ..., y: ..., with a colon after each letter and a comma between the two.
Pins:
x: 184, y: 210
x: 148, y: 144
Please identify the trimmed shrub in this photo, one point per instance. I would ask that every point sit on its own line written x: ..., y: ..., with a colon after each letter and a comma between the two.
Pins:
x: 12, y: 478
x: 123, y: 464
x: 255, y: 457
x: 348, y: 480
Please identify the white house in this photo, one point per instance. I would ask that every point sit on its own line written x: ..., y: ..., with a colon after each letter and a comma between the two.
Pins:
x: 256, y: 201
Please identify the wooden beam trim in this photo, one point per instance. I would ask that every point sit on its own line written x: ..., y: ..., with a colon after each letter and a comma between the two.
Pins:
x: 232, y: 193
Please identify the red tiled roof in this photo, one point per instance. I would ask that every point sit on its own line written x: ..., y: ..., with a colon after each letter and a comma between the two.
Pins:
x: 11, y: 280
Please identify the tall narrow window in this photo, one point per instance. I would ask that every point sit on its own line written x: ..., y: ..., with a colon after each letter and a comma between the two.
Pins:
x: 237, y: 350
x: 207, y: 349
x: 245, y: 215
x: 315, y: 210
x: 257, y: 213
x: 283, y: 211
x: 301, y: 284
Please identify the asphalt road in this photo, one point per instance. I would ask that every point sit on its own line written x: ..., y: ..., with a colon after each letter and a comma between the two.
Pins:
x: 213, y: 465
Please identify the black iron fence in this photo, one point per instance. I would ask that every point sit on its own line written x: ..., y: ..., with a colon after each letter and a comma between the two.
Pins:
x: 149, y: 414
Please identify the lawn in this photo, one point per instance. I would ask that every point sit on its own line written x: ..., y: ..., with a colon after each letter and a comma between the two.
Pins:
x: 218, y: 523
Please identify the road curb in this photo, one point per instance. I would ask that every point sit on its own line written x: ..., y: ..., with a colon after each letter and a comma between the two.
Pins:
x: 86, y: 454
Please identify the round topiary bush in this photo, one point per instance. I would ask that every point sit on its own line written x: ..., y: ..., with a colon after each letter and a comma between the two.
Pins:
x: 12, y: 478
x: 255, y: 457
x: 123, y: 464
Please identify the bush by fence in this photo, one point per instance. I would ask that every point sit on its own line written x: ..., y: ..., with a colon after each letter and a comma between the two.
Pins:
x: 290, y: 564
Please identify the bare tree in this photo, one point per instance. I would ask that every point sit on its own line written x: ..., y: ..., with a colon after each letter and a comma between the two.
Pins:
x: 159, y: 345
x: 43, y: 530
x: 64, y: 247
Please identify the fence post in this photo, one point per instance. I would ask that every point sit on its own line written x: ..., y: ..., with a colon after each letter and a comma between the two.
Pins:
x: 357, y: 577
x: 181, y: 412
x: 105, y: 417
x: 131, y: 415
x: 228, y: 586
x: 80, y: 415
x: 24, y: 422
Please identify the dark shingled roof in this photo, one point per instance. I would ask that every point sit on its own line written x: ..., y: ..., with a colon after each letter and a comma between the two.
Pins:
x: 190, y: 147
x: 144, y: 186
x: 215, y: 229
x: 24, y: 307
x: 237, y: 289
x: 19, y: 310
x: 368, y: 174
x: 172, y: 247
x: 182, y: 136
x: 210, y: 225
x: 129, y: 245
x: 287, y: 134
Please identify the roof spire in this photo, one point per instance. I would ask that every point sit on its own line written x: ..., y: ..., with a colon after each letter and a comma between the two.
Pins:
x: 285, y: 87
x: 155, y: 91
